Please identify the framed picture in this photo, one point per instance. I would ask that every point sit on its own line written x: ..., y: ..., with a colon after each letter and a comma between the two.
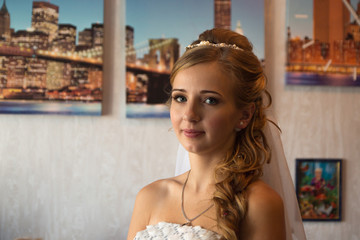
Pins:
x: 51, y: 57
x: 156, y: 38
x: 323, y: 43
x: 318, y: 189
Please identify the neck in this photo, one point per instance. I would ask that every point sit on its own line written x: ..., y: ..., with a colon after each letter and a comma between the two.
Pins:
x: 202, y: 172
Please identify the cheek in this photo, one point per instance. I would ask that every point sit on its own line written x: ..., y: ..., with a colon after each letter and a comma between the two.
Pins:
x: 222, y: 123
x: 219, y: 122
x: 174, y: 117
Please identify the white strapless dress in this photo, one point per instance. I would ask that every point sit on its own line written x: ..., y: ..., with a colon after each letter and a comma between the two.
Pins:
x: 174, y: 231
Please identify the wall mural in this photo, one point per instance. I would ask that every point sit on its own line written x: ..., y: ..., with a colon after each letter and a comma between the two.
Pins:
x: 157, y: 33
x: 51, y: 57
x: 323, y: 42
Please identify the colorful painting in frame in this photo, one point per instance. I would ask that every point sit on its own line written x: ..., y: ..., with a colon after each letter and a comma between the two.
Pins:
x: 157, y: 33
x: 51, y: 57
x: 318, y: 189
x: 323, y: 43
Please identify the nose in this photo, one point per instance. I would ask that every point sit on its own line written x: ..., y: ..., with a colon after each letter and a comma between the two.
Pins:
x: 192, y: 112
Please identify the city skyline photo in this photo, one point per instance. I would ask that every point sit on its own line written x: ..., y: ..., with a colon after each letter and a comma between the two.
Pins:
x: 187, y: 19
x: 80, y: 13
x: 51, y: 57
x: 323, y: 43
x: 157, y: 33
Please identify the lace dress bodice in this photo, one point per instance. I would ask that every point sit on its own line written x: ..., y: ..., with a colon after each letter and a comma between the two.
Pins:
x: 173, y: 231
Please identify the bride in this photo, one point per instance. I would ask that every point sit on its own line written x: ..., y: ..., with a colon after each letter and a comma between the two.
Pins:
x: 217, y: 109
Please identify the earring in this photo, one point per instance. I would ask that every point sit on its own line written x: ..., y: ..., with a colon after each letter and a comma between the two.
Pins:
x: 239, y: 129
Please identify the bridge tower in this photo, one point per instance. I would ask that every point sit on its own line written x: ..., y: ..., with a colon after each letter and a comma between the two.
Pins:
x: 168, y: 50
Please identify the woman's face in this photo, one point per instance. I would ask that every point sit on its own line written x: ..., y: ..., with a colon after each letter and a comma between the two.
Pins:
x: 203, y: 111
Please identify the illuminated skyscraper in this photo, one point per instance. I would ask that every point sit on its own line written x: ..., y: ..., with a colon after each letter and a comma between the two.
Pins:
x: 129, y: 44
x: 79, y: 74
x: 35, y: 69
x: 4, y: 23
x: 222, y: 13
x: 31, y: 39
x: 16, y: 72
x: 97, y: 34
x: 35, y: 73
x: 45, y: 18
x: 330, y: 20
x: 85, y: 38
x: 58, y: 75
x: 65, y: 39
x: 94, y: 79
x: 91, y: 37
x: 3, y: 71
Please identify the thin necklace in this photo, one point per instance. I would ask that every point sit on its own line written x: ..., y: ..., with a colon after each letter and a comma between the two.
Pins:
x: 189, y: 220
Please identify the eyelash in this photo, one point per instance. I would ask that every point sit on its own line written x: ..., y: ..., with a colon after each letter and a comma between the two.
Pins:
x: 176, y: 98
x: 213, y: 100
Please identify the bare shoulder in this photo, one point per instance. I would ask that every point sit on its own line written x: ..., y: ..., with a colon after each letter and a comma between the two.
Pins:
x: 154, y: 194
x: 157, y: 192
x: 265, y: 216
x: 148, y: 199
x: 262, y: 197
x: 154, y: 190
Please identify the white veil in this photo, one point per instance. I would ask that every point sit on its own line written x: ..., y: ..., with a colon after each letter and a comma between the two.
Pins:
x: 276, y: 174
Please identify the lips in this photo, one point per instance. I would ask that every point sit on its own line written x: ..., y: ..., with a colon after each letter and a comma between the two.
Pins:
x: 191, y: 133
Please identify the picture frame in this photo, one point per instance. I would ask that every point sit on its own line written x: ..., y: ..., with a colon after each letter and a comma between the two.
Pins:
x: 322, y: 50
x: 153, y: 44
x: 51, y: 57
x: 318, y: 189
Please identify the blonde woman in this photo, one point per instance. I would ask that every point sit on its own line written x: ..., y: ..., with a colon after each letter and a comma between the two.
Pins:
x: 217, y: 110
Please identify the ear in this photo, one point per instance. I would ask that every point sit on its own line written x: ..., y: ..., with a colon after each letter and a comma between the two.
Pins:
x: 245, y: 116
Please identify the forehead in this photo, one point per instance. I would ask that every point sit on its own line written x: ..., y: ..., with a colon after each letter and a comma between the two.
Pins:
x: 207, y: 76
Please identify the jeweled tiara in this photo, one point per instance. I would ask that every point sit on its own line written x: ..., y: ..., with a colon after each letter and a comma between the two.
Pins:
x: 219, y: 45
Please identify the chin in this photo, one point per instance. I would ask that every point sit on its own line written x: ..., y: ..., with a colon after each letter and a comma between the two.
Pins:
x: 195, y: 149
x: 191, y: 148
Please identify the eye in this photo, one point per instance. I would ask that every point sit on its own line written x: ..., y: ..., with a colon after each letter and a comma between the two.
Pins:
x: 179, y: 98
x: 211, y: 101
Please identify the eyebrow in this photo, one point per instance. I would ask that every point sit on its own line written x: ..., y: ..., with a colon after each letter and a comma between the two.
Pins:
x: 177, y: 90
x: 202, y: 92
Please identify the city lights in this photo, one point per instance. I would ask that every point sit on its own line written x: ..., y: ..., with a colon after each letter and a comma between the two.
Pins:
x: 45, y: 63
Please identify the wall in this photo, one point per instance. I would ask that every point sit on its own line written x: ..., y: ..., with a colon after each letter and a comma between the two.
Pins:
x: 72, y: 177
x: 77, y: 177
x: 321, y: 122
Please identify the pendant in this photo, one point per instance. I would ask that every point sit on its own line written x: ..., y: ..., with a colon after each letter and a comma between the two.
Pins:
x: 188, y: 223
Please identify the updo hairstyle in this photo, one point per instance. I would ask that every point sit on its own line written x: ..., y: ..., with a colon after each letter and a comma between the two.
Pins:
x: 243, y: 163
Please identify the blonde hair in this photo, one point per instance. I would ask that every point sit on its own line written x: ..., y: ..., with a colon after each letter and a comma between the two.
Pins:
x: 243, y: 163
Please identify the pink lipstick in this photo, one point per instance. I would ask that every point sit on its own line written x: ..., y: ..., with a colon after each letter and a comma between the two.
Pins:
x: 191, y: 133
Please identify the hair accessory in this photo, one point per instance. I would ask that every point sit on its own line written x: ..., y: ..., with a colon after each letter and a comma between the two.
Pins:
x: 218, y: 45
x: 225, y: 213
x: 189, y: 220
